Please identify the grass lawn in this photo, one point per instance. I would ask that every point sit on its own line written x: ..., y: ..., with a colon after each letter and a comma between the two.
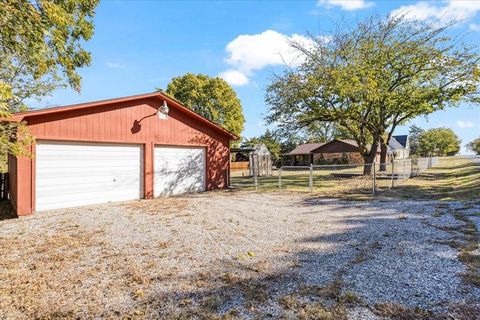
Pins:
x: 344, y: 180
x: 453, y: 179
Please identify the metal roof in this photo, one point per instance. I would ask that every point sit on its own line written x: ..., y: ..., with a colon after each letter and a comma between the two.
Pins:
x: 395, y: 144
x: 402, y: 139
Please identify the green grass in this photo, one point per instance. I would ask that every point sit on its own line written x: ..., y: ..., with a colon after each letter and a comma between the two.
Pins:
x: 325, y: 182
x: 453, y: 179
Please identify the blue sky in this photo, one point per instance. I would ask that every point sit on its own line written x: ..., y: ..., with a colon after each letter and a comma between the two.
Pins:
x: 140, y: 45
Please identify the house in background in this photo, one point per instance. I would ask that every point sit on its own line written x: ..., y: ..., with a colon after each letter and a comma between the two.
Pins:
x: 341, y: 151
x: 399, y: 147
x: 344, y: 151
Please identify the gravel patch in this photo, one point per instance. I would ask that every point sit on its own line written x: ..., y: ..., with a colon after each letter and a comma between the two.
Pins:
x: 237, y: 254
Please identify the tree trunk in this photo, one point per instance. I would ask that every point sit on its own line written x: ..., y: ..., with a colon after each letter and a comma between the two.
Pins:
x: 369, y: 158
x: 383, y: 155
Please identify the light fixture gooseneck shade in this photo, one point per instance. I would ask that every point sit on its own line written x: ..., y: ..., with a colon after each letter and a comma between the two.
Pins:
x: 163, y: 111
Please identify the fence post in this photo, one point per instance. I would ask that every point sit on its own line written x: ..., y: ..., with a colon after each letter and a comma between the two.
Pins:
x: 393, y: 174
x: 255, y: 174
x: 373, y: 178
x: 310, y: 182
x: 280, y: 179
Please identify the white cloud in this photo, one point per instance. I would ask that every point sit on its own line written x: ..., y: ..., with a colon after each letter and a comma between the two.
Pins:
x: 445, y: 11
x: 234, y: 77
x: 253, y: 52
x: 113, y: 65
x: 474, y: 27
x: 465, y: 124
x: 348, y: 5
x: 248, y: 53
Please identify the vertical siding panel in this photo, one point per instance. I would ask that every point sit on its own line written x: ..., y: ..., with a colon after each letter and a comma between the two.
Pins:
x: 108, y: 119
x: 101, y: 125
x: 132, y: 116
x: 84, y: 127
x: 76, y: 128
x: 146, y: 124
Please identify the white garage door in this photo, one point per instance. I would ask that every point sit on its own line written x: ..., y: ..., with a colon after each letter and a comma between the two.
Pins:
x: 179, y: 170
x: 77, y: 174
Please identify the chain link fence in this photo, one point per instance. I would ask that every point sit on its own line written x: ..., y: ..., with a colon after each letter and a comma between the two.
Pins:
x: 335, y: 179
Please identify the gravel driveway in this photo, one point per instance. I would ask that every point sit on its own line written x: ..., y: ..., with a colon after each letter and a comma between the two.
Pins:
x: 236, y: 255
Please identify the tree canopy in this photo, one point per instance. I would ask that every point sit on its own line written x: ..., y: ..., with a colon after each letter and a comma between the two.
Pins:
x: 372, y: 77
x: 40, y: 50
x: 438, y: 142
x: 414, y: 135
x: 213, y: 98
x: 474, y: 146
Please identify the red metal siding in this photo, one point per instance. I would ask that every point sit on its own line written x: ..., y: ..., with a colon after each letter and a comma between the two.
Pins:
x: 126, y: 122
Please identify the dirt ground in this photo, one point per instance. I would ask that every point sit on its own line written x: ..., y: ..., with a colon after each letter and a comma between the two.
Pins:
x: 243, y: 255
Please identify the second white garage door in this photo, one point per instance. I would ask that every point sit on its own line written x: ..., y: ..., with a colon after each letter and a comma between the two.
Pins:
x: 77, y: 174
x: 179, y: 170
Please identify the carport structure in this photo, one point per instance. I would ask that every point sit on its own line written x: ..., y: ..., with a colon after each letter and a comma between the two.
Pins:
x: 119, y: 149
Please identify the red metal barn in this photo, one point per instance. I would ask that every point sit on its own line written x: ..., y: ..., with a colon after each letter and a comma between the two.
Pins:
x: 128, y: 148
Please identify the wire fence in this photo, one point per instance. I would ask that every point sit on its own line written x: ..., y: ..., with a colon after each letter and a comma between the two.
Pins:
x: 334, y: 179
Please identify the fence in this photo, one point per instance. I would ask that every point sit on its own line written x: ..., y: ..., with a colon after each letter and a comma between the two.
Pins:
x: 3, y: 186
x: 335, y: 179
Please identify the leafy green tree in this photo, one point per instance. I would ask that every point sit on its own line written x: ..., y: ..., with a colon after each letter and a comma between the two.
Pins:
x: 40, y: 50
x: 414, y: 135
x: 438, y: 142
x: 372, y: 77
x: 271, y: 142
x: 323, y: 132
x: 213, y: 98
x: 474, y: 146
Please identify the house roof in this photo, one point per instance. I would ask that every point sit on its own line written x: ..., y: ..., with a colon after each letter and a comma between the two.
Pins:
x: 306, y: 148
x: 402, y: 139
x: 394, y: 144
x: 348, y: 141
x: 20, y: 116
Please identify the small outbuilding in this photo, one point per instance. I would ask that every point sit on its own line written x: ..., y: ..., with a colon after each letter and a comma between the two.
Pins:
x: 257, y: 160
x: 127, y: 148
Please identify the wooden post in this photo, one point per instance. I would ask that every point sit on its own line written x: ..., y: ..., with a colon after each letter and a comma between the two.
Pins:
x: 255, y: 179
x: 280, y: 179
x: 373, y: 178
x: 310, y: 182
x: 393, y: 173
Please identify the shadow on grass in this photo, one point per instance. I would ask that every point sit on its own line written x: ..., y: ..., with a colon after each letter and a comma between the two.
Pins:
x: 454, y: 179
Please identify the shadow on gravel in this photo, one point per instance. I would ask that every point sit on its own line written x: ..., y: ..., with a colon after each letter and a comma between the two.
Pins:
x: 389, y: 264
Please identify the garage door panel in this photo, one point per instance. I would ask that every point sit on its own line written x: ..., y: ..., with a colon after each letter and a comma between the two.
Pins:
x: 179, y: 170
x: 76, y: 174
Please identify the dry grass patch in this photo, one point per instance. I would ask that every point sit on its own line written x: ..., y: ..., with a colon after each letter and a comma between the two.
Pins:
x: 157, y: 206
x: 399, y: 312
